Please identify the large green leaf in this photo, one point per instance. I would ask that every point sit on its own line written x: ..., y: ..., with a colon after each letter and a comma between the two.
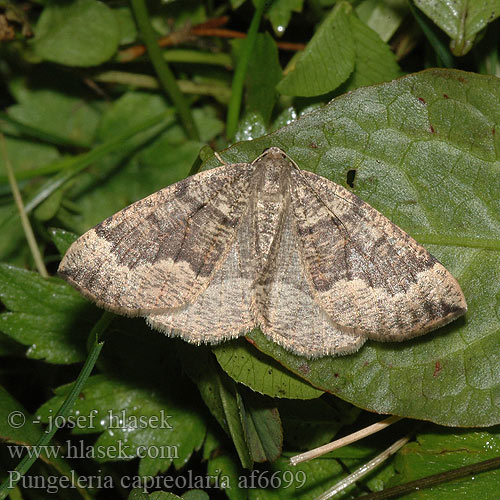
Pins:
x: 424, y: 150
x: 461, y: 20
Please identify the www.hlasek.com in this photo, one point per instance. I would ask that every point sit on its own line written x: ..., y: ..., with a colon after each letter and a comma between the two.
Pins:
x: 187, y: 481
x: 70, y: 449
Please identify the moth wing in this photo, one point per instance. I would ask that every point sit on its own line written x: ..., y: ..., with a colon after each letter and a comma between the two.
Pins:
x: 224, y: 309
x: 289, y: 313
x: 161, y: 252
x: 367, y: 273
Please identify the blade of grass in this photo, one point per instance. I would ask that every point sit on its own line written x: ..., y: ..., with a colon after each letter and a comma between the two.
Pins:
x: 233, y: 111
x: 28, y: 230
x: 79, y: 163
x: 35, y: 133
x: 219, y: 90
x: 441, y: 50
x: 162, y: 69
x: 435, y: 479
x: 30, y: 458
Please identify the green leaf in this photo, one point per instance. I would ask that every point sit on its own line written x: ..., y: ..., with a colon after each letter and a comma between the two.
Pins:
x: 261, y: 373
x: 134, y: 416
x: 79, y: 33
x: 13, y: 247
x: 252, y: 421
x: 231, y: 403
x: 425, y: 153
x: 47, y: 315
x: 26, y: 155
x: 224, y: 467
x: 201, y: 368
x: 49, y: 207
x: 328, y: 59
x: 375, y: 61
x: 261, y: 425
x: 207, y: 123
x: 343, y: 48
x: 138, y: 106
x: 383, y: 17
x: 40, y: 100
x: 126, y: 23
x: 262, y: 79
x: 62, y: 239
x: 146, y: 162
x: 219, y: 394
x: 280, y: 12
x: 439, y: 451
x: 461, y: 20
x: 21, y: 429
x: 16, y: 424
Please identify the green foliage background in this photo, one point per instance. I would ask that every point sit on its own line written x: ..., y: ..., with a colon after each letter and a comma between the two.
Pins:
x: 93, y: 121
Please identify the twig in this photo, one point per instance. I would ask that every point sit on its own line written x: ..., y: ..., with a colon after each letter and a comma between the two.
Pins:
x: 28, y: 230
x: 364, y: 469
x: 211, y: 28
x: 351, y: 438
x: 435, y: 479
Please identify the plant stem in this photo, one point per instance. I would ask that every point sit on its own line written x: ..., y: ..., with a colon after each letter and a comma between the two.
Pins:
x: 435, y: 479
x: 28, y: 230
x: 164, y: 73
x: 67, y: 168
x: 234, y: 107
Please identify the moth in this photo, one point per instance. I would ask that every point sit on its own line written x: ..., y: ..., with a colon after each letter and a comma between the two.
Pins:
x: 264, y: 244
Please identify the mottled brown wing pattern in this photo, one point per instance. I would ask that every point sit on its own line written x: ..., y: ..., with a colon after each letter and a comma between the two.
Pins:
x: 264, y: 244
x: 224, y: 309
x: 368, y: 274
x: 162, y: 251
x: 288, y: 311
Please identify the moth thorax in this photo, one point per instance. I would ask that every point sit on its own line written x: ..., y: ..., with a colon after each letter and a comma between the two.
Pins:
x: 270, y: 204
